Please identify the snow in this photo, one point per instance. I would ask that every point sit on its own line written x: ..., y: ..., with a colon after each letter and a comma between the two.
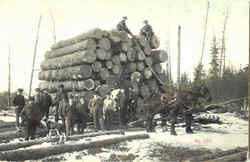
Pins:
x: 232, y: 133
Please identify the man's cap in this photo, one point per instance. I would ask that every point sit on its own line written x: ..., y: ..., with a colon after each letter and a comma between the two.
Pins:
x: 20, y: 89
x: 125, y: 17
x: 145, y: 21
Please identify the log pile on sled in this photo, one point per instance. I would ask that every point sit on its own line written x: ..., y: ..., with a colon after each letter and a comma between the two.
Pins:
x: 96, y: 61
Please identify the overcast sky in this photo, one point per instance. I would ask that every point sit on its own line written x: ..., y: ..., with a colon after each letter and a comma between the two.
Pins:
x: 19, y: 19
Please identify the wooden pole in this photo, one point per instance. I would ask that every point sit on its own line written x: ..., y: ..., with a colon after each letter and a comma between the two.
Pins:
x: 34, y: 55
x: 204, y: 37
x: 179, y: 57
x: 248, y: 154
x: 54, y: 26
x: 9, y: 79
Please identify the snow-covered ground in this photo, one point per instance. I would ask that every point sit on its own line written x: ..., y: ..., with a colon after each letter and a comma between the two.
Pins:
x: 231, y: 134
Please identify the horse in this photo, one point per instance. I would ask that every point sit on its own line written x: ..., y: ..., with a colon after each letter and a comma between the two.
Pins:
x: 183, y: 102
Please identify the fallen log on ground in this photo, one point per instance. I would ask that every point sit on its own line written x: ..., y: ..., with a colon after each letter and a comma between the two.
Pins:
x: 219, y: 154
x: 241, y: 156
x: 17, y: 145
x: 37, y: 153
x: 6, y: 136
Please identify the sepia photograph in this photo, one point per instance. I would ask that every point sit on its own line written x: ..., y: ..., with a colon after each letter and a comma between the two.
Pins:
x: 124, y: 81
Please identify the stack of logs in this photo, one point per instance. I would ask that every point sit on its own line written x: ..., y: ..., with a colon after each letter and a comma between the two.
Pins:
x: 97, y: 61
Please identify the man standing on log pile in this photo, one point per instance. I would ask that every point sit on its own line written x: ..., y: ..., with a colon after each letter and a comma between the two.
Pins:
x: 19, y: 102
x: 147, y: 31
x: 121, y: 26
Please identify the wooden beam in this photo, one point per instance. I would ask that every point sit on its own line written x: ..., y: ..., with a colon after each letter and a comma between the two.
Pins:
x: 34, y: 55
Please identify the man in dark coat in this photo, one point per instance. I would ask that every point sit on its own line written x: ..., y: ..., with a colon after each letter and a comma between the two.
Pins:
x: 147, y: 30
x: 19, y: 102
x: 121, y: 26
x: 47, y: 103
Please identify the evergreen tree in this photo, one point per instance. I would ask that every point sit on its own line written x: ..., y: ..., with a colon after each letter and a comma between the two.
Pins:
x: 199, y: 74
x: 214, y: 69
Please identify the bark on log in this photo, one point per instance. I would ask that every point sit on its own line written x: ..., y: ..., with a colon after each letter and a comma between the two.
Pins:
x: 125, y: 46
x: 75, y: 72
x: 37, y: 153
x: 123, y: 57
x: 74, y: 59
x: 96, y: 66
x: 147, y: 73
x: 157, y: 68
x: 149, y: 61
x: 104, y: 43
x: 117, y: 36
x: 159, y: 56
x: 104, y: 74
x: 104, y: 90
x: 155, y: 42
x: 144, y: 91
x: 130, y: 68
x: 108, y: 64
x: 131, y: 55
x: 116, y: 69
x: 101, y: 54
x: 140, y: 66
x: 135, y: 77
x: 17, y: 145
x: 140, y: 55
x: 91, y: 34
x: 220, y: 154
x: 68, y: 85
x: 108, y: 55
x: 116, y: 60
x: 6, y: 136
x: 88, y: 44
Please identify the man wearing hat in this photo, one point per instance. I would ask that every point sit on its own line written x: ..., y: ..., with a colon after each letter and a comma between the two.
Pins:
x: 147, y: 31
x: 60, y: 95
x: 38, y: 96
x: 121, y: 26
x: 19, y: 103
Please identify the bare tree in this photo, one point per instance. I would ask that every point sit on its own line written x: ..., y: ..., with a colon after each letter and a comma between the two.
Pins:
x: 9, y: 78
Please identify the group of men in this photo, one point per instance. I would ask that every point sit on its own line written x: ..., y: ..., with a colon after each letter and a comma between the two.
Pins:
x: 146, y: 30
x: 19, y: 102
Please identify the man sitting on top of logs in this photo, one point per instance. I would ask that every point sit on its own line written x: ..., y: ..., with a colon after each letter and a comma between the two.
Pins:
x: 121, y: 26
x: 147, y: 31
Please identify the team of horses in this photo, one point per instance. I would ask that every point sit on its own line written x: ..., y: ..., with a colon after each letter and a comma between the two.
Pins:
x: 182, y: 102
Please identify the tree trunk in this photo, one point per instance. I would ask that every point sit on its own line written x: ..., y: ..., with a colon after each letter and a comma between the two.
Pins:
x: 103, y: 90
x: 101, y: 54
x: 74, y: 59
x: 157, y: 68
x: 91, y: 34
x: 144, y: 91
x: 116, y: 60
x: 96, y: 66
x: 131, y: 55
x: 104, y: 73
x: 140, y: 66
x: 123, y: 57
x: 88, y: 44
x: 71, y: 73
x: 17, y: 145
x: 37, y: 153
x: 116, y: 69
x: 140, y: 55
x: 130, y: 68
x: 147, y: 73
x: 108, y: 64
x: 104, y: 43
x: 135, y: 77
x: 159, y: 56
